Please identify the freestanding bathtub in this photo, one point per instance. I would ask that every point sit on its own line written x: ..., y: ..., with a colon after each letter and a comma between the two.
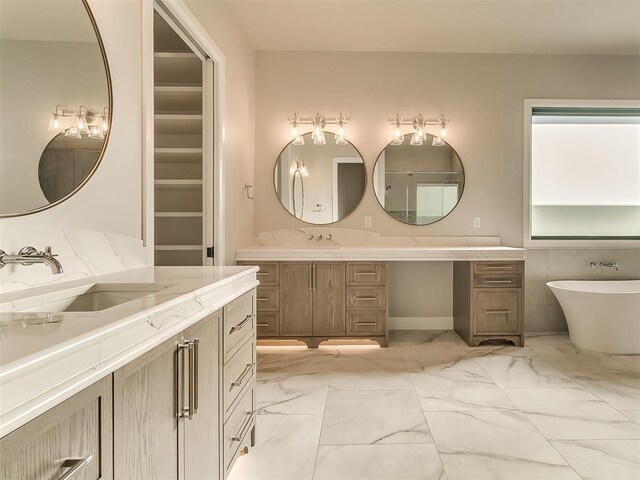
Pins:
x: 601, y: 315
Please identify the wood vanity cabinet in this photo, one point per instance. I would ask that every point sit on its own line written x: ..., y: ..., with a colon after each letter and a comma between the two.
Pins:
x: 186, y: 409
x: 75, y: 434
x: 488, y: 301
x: 316, y: 301
x: 166, y: 408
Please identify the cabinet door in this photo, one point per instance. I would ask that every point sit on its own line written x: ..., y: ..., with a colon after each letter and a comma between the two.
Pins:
x: 328, y: 299
x: 75, y: 434
x: 201, y: 440
x: 297, y: 301
x: 497, y: 311
x: 146, y: 415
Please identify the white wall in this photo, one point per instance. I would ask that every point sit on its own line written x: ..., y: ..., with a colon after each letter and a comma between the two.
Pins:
x: 239, y: 134
x: 111, y: 200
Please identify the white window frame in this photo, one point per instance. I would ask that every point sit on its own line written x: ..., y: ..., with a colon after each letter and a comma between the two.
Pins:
x: 529, y: 105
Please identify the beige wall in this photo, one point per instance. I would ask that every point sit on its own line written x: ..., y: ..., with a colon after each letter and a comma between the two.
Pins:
x: 239, y: 133
x: 481, y: 94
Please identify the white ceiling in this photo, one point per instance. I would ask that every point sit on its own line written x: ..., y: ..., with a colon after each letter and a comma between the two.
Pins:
x: 471, y: 26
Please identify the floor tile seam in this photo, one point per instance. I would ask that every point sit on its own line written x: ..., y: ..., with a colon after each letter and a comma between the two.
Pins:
x: 324, y: 412
x: 433, y: 439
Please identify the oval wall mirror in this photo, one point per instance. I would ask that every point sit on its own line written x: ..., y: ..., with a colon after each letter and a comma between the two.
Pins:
x: 418, y: 184
x: 55, y: 102
x: 320, y: 184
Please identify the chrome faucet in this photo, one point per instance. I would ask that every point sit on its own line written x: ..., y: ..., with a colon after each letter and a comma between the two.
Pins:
x: 29, y: 256
x: 602, y: 264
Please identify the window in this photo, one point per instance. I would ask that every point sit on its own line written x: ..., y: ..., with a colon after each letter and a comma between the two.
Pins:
x: 584, y: 173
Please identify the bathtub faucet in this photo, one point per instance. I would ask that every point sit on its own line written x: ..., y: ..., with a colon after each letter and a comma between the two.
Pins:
x: 602, y: 264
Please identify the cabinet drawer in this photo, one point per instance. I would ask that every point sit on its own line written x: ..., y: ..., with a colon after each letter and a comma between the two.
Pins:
x: 239, y: 322
x: 497, y: 267
x: 239, y: 372
x: 237, y: 429
x: 269, y: 274
x: 366, y: 298
x: 372, y: 273
x: 268, y: 324
x: 495, y: 281
x: 497, y: 311
x: 65, y: 436
x: 366, y: 323
x: 268, y: 298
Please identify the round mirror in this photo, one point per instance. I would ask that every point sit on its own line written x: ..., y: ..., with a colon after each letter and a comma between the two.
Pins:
x: 55, y: 102
x: 319, y: 184
x: 418, y: 184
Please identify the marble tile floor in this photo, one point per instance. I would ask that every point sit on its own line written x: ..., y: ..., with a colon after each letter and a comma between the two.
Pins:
x: 429, y: 407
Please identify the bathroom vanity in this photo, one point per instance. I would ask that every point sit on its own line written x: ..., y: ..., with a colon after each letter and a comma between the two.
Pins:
x: 161, y: 386
x: 318, y: 290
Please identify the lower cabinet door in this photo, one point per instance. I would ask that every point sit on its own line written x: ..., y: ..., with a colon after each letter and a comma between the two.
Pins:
x: 146, y: 415
x: 201, y: 432
x: 73, y: 436
x: 328, y: 299
x: 297, y: 299
x: 497, y: 311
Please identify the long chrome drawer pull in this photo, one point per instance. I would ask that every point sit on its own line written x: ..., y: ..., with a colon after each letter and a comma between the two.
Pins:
x: 238, y: 436
x: 262, y: 299
x: 242, y: 324
x: 262, y: 324
x: 188, y: 412
x: 309, y: 281
x: 366, y: 298
x: 365, y: 273
x: 263, y: 273
x: 366, y: 324
x: 490, y: 312
x: 498, y: 281
x: 196, y: 356
x: 74, y: 465
x: 238, y: 381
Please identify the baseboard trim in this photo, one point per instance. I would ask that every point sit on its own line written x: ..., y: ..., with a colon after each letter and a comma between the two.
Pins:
x: 420, y: 323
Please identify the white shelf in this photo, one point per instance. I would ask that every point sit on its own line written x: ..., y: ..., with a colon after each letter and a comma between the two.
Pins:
x: 176, y: 55
x: 178, y: 183
x: 178, y: 214
x: 178, y: 89
x: 178, y: 247
x: 177, y: 151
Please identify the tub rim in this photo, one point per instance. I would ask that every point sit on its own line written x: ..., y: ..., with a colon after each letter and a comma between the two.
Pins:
x: 555, y: 284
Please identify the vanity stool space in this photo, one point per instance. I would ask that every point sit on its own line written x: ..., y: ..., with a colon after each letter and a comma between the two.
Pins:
x: 313, y: 301
x: 488, y: 302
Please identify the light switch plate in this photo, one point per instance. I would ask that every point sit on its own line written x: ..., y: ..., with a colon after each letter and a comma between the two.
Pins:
x: 476, y: 222
x: 367, y: 222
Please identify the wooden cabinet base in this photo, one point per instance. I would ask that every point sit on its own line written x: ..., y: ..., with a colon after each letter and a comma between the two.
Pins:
x: 488, y: 302
x: 314, y: 342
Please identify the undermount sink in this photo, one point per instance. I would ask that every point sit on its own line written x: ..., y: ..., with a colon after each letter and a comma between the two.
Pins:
x: 86, y: 298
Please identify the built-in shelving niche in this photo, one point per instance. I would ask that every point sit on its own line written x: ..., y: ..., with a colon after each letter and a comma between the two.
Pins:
x: 178, y: 160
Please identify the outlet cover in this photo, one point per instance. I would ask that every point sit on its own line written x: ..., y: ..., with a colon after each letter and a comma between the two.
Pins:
x: 367, y: 222
x: 476, y: 222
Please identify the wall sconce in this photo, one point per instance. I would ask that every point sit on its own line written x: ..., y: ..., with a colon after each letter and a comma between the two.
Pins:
x: 419, y: 135
x: 318, y: 123
x: 83, y: 123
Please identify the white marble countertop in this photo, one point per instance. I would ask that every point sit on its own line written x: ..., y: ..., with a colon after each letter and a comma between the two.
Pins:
x: 46, y: 358
x: 386, y: 253
x: 361, y: 245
